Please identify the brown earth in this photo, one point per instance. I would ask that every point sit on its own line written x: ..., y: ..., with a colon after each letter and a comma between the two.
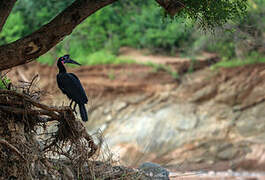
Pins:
x: 109, y: 80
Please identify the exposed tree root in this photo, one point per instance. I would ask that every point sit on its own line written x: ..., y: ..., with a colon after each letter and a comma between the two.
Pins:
x: 38, y: 141
x: 21, y: 150
x: 13, y: 148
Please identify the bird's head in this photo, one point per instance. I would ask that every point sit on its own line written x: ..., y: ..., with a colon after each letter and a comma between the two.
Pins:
x: 66, y: 59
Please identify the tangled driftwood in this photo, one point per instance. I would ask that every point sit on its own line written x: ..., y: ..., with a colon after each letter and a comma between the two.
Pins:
x: 23, y: 151
x: 30, y: 150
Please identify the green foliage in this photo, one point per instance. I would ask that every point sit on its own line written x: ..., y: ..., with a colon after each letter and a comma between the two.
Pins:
x: 254, y: 58
x: 149, y: 30
x: 37, y: 13
x: 225, y: 47
x: 111, y: 75
x: 99, y: 57
x: 4, y: 81
x: 211, y: 14
x: 127, y: 23
x: 140, y: 24
x: 162, y: 67
x: 13, y: 28
x: 47, y: 59
x: 104, y: 57
x: 238, y: 39
x: 191, y: 67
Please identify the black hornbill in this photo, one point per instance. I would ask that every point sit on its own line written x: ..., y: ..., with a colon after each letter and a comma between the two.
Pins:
x: 71, y: 86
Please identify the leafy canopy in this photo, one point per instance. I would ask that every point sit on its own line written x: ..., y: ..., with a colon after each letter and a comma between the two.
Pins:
x: 210, y: 13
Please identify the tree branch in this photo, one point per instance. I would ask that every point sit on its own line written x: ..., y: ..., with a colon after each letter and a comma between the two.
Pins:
x: 171, y: 6
x: 39, y: 42
x: 13, y: 148
x: 5, y: 9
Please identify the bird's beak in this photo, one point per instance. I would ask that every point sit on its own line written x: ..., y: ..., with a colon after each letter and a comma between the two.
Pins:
x: 71, y: 61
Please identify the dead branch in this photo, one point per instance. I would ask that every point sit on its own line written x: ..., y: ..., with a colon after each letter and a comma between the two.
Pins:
x: 34, y: 79
x: 33, y: 102
x: 13, y: 148
x: 20, y: 113
x: 30, y: 111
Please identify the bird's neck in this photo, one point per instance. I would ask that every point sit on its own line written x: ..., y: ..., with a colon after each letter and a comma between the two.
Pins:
x: 61, y: 67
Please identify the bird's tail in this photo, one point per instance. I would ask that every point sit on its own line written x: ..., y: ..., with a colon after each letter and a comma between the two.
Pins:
x: 83, y: 112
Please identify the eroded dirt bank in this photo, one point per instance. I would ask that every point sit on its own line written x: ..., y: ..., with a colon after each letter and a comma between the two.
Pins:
x: 206, y: 120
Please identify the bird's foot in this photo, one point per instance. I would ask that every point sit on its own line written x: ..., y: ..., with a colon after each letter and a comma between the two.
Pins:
x: 73, y: 110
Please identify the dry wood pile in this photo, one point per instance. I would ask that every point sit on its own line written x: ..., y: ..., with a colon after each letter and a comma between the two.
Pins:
x: 29, y: 151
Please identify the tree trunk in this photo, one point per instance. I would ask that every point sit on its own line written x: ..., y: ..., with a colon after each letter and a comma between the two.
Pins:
x: 5, y: 9
x: 39, y: 42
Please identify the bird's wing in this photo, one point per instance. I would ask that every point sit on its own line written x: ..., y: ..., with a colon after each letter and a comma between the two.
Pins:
x: 71, y: 86
x: 72, y: 74
x: 59, y: 83
x: 81, y: 89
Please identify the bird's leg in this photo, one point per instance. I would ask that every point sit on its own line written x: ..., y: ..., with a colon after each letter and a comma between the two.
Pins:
x: 75, y: 108
x: 71, y: 104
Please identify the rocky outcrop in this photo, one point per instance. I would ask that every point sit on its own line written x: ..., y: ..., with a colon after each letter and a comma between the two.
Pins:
x: 215, y: 119
x: 209, y: 119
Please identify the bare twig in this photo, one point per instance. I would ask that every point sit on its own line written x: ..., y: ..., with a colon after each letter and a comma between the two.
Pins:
x: 3, y: 75
x: 32, y: 82
x: 30, y: 111
x: 13, y: 148
x: 35, y: 103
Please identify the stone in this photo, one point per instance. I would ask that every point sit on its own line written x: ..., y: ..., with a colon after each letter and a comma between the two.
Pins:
x: 184, y: 118
x: 136, y: 98
x: 251, y: 121
x: 107, y: 110
x: 227, y: 154
x: 204, y: 94
x: 120, y: 106
x: 155, y: 171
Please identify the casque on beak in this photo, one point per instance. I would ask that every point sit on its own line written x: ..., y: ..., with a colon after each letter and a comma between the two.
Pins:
x: 66, y: 59
x: 71, y: 61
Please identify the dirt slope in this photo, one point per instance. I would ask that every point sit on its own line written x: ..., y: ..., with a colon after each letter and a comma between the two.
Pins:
x: 107, y: 82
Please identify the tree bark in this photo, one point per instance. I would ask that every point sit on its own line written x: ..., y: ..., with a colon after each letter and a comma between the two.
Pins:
x: 172, y: 7
x: 5, y: 9
x: 39, y: 42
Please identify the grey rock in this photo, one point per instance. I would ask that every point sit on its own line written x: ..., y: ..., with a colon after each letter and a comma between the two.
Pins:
x: 136, y: 98
x: 107, y: 110
x: 227, y: 154
x: 251, y: 121
x: 192, y: 123
x: 155, y: 171
x: 204, y: 94
x: 120, y: 106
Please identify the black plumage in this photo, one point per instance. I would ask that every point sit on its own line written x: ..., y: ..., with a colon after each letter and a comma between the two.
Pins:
x: 71, y: 86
